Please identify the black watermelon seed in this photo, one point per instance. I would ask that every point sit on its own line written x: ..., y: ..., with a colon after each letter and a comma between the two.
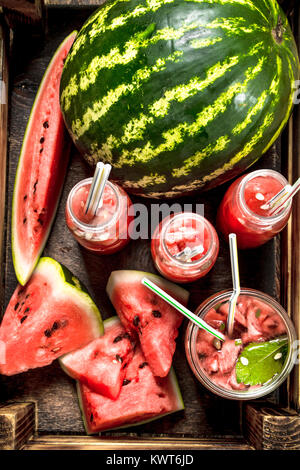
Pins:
x: 136, y: 320
x: 127, y: 336
x: 142, y: 365
x: 17, y: 305
x: 48, y: 333
x: 55, y: 326
x: 156, y: 313
x: 40, y: 221
x: 23, y: 318
x: 25, y: 197
x: 126, y: 382
x: 21, y: 291
x: 41, y: 149
x: 27, y: 296
x: 91, y: 418
x: 42, y: 140
x: 24, y: 220
x: 117, y: 339
x: 119, y: 358
x: 26, y: 310
x: 46, y: 125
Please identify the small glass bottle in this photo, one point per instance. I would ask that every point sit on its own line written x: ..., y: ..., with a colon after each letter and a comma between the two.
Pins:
x: 173, y: 235
x: 241, y: 210
x: 107, y: 231
x: 259, y: 318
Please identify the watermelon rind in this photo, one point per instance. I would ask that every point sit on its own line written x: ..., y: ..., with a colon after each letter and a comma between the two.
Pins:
x: 21, y: 273
x: 179, y: 404
x: 126, y: 275
x: 70, y: 285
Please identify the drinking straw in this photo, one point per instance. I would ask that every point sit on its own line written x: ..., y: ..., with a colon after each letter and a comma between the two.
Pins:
x: 189, y: 252
x: 235, y: 281
x: 174, y: 303
x: 100, y: 178
x: 291, y: 192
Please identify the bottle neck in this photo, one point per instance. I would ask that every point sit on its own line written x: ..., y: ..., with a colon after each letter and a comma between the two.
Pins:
x: 250, y: 214
x: 182, y: 219
x: 88, y: 227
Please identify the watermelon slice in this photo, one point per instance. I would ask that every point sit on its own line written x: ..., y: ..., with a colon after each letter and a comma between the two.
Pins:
x: 101, y: 365
x: 143, y: 398
x: 41, y: 170
x: 144, y: 313
x: 50, y: 316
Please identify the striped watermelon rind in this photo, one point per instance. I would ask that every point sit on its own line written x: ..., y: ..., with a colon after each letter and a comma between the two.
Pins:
x: 24, y: 263
x: 179, y: 95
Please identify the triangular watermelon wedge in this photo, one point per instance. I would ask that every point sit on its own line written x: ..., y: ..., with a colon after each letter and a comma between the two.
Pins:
x: 144, y: 313
x: 41, y: 170
x: 48, y: 317
x: 101, y: 365
x: 143, y: 398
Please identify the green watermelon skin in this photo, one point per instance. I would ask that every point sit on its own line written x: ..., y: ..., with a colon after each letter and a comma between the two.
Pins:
x: 48, y: 317
x: 143, y: 399
x: 179, y: 95
x: 41, y: 170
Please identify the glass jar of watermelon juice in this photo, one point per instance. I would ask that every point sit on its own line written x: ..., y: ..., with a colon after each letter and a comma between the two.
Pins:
x: 107, y: 231
x: 175, y: 235
x: 242, y: 209
x: 258, y: 357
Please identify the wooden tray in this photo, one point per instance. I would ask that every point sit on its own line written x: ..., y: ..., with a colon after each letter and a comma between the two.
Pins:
x: 39, y: 409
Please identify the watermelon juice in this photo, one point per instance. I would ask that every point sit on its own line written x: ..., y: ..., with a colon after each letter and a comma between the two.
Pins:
x: 242, y: 209
x: 175, y: 234
x: 258, y: 357
x: 108, y: 230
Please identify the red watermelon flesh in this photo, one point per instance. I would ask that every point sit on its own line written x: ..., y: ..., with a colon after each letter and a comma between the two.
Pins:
x: 101, y: 365
x: 50, y: 316
x: 41, y: 170
x: 143, y: 398
x: 145, y: 314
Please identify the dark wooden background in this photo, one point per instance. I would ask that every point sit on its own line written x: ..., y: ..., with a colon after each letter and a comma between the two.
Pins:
x: 54, y: 392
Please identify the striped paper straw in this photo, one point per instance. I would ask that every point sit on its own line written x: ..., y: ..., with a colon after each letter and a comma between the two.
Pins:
x: 236, y: 283
x: 187, y: 313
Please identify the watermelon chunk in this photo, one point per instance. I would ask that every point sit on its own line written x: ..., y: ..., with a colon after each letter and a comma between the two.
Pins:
x: 101, y: 365
x: 41, y: 170
x: 143, y: 398
x: 52, y: 315
x: 145, y: 314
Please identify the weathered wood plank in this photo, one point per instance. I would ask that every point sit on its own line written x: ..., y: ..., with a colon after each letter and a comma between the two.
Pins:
x: 291, y: 273
x: 3, y: 140
x: 102, y: 443
x: 17, y: 425
x: 29, y: 8
x: 273, y: 428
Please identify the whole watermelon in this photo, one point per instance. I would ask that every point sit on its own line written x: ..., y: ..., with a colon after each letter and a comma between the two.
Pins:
x: 179, y: 95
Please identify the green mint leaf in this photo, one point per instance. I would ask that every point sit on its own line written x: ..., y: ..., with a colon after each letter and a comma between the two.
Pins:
x: 257, y: 363
x: 217, y: 306
x: 258, y: 312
